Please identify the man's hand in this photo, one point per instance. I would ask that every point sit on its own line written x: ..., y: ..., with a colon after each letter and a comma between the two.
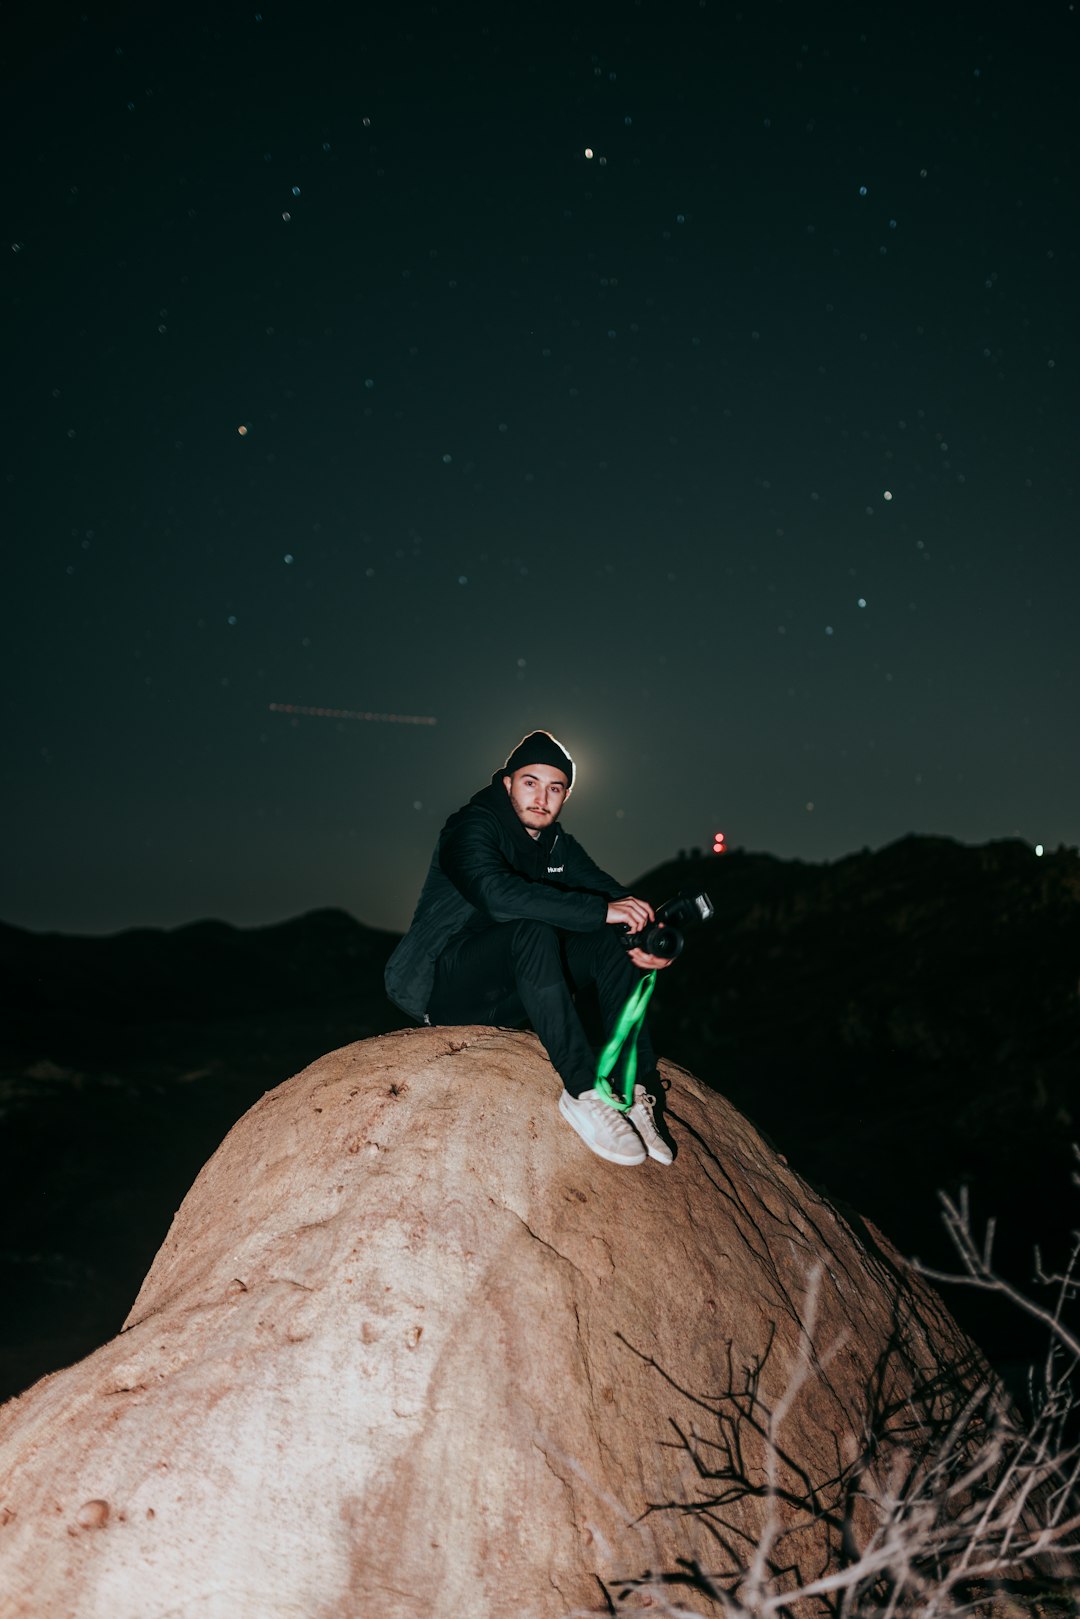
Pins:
x: 647, y: 963
x: 635, y: 913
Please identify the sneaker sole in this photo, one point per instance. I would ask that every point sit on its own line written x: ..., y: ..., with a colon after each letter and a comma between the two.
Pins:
x: 602, y: 1152
x: 661, y: 1154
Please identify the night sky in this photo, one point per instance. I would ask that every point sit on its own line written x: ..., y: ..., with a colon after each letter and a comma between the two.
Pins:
x: 699, y: 384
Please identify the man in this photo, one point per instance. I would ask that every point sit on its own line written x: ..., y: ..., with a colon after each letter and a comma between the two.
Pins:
x: 512, y: 914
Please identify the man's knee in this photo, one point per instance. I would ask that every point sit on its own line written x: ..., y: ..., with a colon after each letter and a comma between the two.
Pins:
x: 606, y: 949
x: 609, y: 942
x: 533, y: 940
x: 612, y: 965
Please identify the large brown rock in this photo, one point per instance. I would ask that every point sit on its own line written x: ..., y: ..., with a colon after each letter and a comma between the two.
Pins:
x: 411, y: 1351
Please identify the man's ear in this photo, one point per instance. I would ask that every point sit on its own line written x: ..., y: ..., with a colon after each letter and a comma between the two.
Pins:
x: 508, y: 782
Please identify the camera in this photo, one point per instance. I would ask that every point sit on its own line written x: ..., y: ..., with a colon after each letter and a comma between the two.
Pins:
x: 664, y: 936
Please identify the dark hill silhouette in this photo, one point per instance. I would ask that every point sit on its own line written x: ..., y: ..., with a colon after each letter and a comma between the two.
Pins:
x: 896, y: 1021
x: 75, y: 996
x: 124, y: 1062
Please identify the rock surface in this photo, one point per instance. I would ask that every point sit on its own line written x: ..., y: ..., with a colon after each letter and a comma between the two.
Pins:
x: 410, y: 1350
x: 929, y: 995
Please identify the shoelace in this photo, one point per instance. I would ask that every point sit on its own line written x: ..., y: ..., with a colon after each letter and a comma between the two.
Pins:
x: 617, y: 1120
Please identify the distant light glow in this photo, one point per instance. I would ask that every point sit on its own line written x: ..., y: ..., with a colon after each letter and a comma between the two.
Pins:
x: 589, y: 152
x: 243, y: 430
x: 351, y: 714
x: 887, y: 495
x: 1038, y: 848
x: 718, y: 844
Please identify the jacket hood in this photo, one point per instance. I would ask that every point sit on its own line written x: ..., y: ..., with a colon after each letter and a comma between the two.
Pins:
x: 494, y: 797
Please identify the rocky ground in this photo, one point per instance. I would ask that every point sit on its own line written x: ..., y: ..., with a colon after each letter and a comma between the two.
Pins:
x: 396, y: 1356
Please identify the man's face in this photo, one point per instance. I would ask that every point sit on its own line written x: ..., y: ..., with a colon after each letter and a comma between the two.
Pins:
x: 537, y: 793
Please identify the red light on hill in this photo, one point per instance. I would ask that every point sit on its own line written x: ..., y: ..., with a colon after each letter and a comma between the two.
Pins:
x: 718, y: 844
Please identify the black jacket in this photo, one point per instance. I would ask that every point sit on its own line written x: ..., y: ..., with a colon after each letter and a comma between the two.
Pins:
x: 487, y: 869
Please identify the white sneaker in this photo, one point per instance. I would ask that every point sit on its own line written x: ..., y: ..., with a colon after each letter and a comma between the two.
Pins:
x: 641, y: 1117
x: 602, y: 1127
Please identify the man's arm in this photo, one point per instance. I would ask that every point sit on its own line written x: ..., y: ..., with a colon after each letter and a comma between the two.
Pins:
x: 623, y: 907
x: 472, y: 859
x: 579, y: 871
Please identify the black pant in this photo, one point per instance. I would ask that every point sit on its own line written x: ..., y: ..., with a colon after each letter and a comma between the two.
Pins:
x: 517, y: 971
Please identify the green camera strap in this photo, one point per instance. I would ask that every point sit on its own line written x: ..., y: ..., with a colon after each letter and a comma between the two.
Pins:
x: 625, y: 1033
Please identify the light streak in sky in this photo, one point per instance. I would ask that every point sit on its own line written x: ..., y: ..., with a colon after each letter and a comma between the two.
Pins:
x: 352, y: 714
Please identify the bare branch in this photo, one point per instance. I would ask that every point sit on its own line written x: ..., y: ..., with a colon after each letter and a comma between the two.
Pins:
x: 951, y: 1496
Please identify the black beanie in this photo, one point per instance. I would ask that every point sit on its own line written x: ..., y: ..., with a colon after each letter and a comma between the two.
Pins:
x: 541, y: 748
